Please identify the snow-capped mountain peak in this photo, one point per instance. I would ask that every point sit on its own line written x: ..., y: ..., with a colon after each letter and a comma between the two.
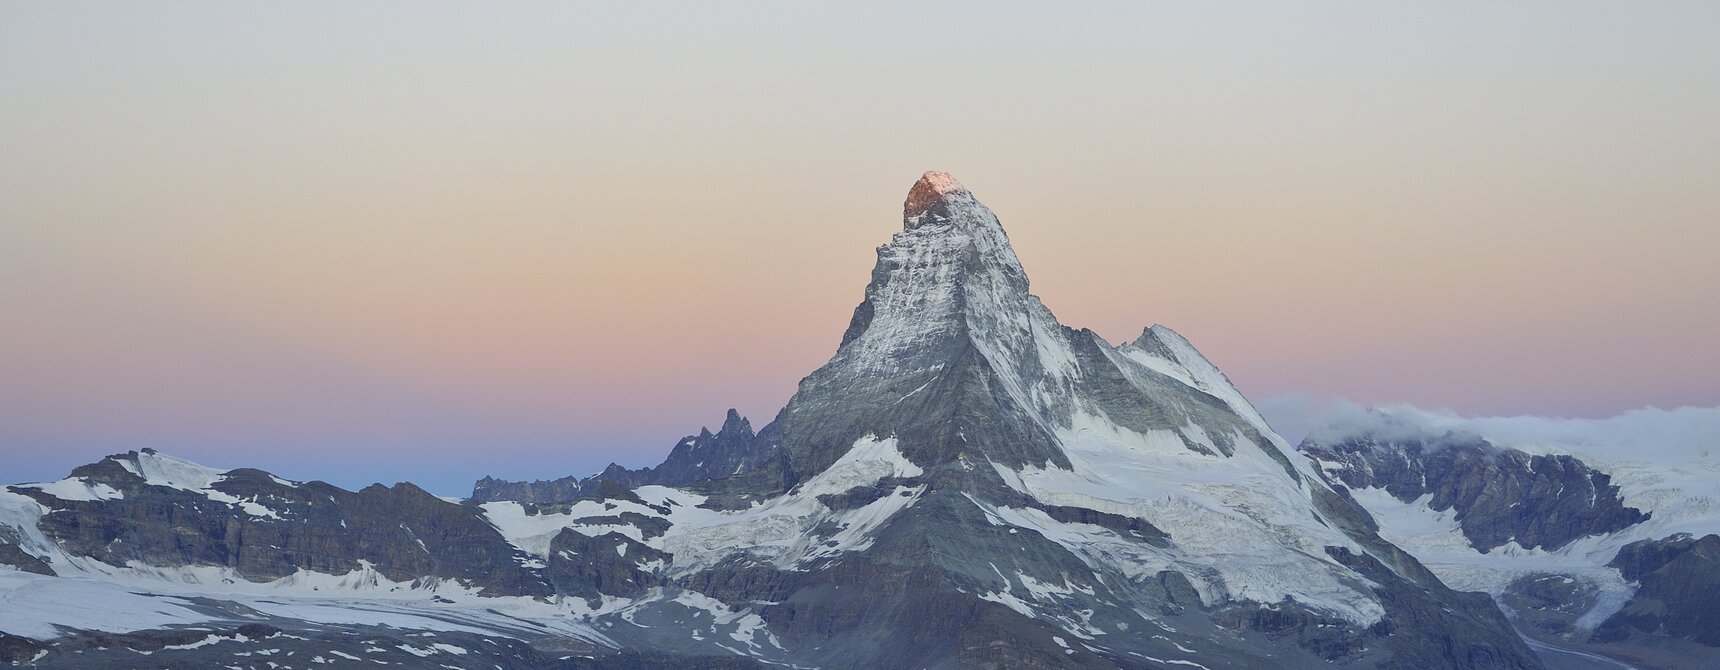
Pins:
x: 932, y: 189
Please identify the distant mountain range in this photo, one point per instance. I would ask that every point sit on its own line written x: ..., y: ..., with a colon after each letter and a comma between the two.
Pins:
x: 966, y: 483
x: 1593, y: 547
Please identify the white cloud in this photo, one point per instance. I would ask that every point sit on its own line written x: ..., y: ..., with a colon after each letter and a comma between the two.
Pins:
x: 1651, y: 434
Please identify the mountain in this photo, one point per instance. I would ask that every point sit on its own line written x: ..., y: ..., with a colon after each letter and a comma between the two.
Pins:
x: 1125, y: 500
x: 145, y: 558
x: 1598, y: 548
x: 966, y: 483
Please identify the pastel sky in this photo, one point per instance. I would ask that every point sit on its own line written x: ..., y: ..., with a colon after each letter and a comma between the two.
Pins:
x: 420, y: 241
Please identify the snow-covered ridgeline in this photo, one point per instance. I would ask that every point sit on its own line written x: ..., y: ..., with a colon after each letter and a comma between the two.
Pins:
x: 157, y: 469
x: 1232, y: 521
x: 776, y: 530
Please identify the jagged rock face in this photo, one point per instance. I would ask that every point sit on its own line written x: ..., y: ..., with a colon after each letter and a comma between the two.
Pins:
x: 1499, y: 495
x: 946, y: 316
x: 732, y: 450
x: 148, y: 509
x: 950, y: 354
x: 1679, y: 578
x: 541, y: 491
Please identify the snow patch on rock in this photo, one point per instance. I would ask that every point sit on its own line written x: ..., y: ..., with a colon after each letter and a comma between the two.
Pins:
x: 1233, y: 521
x: 778, y: 530
x: 77, y: 488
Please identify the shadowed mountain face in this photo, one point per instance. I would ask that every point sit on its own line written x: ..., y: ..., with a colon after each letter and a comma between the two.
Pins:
x: 144, y: 508
x: 1498, y: 495
x: 966, y: 483
x: 1679, y: 577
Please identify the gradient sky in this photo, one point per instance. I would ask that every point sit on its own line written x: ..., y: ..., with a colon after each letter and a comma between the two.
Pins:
x: 428, y: 242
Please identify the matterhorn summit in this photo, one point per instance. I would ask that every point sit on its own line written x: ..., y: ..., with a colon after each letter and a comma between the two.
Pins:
x: 965, y: 483
x: 931, y: 190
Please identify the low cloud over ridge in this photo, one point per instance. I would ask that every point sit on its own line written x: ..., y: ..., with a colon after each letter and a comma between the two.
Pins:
x: 1647, y: 434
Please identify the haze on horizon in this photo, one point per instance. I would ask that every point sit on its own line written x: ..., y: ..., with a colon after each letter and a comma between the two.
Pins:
x: 423, y: 242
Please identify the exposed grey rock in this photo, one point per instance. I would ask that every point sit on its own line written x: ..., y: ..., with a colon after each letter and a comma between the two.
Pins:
x: 1434, y: 624
x: 1549, y: 603
x: 403, y: 531
x: 1500, y: 495
x: 1679, y: 592
x: 14, y: 556
x: 20, y: 650
x: 733, y: 449
x: 612, y: 564
x: 553, y: 490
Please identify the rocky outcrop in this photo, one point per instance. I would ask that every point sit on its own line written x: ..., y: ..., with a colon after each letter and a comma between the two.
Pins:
x: 1549, y: 604
x: 730, y: 451
x: 1500, y: 495
x: 733, y: 449
x: 16, y: 650
x: 1678, y: 579
x: 13, y: 556
x: 546, y: 491
x: 612, y: 564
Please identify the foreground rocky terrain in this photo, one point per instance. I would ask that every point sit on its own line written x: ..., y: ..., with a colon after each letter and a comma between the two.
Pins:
x: 966, y: 483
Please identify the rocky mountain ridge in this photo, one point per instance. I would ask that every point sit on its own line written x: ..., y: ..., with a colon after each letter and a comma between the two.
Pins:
x: 1554, y: 499
x: 733, y: 449
x: 1604, y: 556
